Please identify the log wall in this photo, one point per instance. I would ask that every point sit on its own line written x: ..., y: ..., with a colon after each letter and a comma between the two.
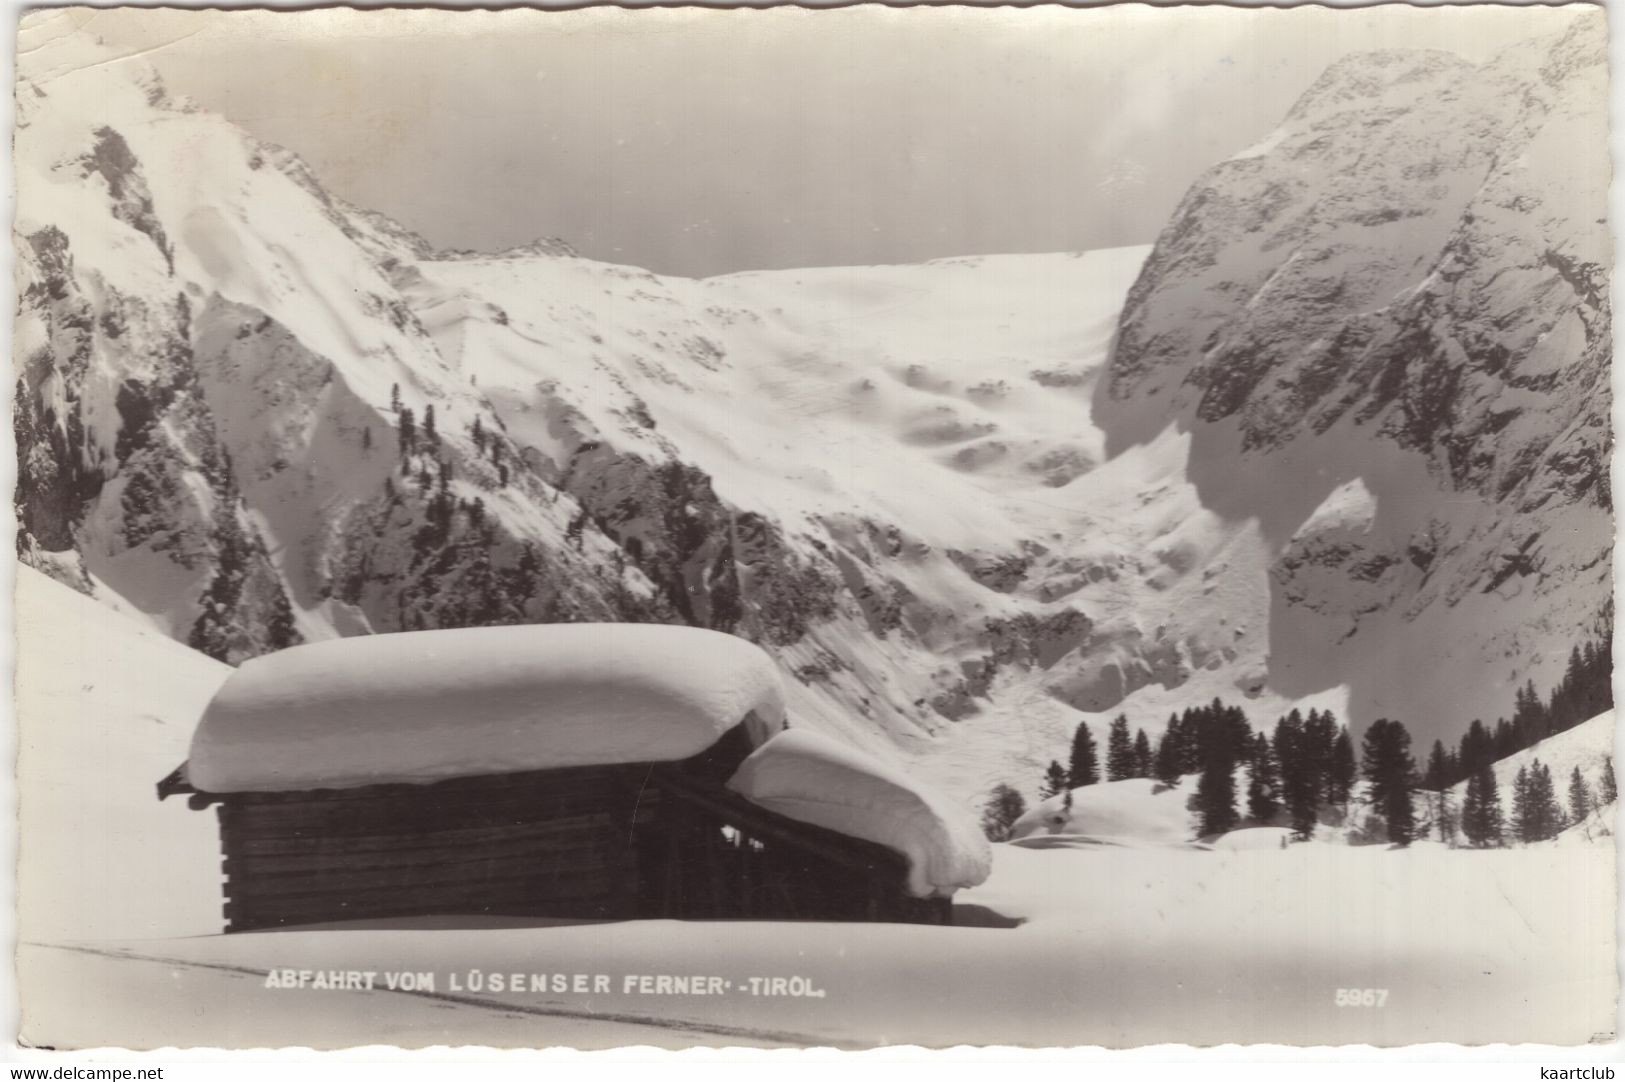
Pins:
x: 555, y: 843
x: 592, y: 843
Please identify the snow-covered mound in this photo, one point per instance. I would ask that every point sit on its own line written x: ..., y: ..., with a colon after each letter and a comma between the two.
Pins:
x: 420, y: 706
x: 105, y: 707
x: 811, y: 778
x: 1132, y: 812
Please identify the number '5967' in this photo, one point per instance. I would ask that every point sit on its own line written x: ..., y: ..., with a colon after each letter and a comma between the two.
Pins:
x: 1361, y: 997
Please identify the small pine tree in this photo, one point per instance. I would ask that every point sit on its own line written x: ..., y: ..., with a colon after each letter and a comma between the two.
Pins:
x: 366, y: 438
x: 1580, y: 802
x: 1143, y: 761
x: 1608, y: 788
x: 1119, y: 751
x: 478, y: 432
x: 1054, y: 783
x: 407, y: 432
x: 394, y: 398
x: 1084, y: 768
x: 1481, y: 810
x: 430, y: 436
x: 1004, y: 806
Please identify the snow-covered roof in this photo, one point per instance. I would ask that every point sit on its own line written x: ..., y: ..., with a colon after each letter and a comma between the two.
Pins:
x: 809, y: 777
x: 425, y: 705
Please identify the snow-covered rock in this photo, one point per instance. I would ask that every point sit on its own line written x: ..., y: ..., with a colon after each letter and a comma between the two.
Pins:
x: 422, y: 706
x: 811, y: 778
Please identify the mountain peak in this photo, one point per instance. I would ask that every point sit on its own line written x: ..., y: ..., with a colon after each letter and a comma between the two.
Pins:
x: 1377, y: 79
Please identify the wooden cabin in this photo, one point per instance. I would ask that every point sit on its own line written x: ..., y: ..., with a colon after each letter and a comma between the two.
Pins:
x: 641, y: 838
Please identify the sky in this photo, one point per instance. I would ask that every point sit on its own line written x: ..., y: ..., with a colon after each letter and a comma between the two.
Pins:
x: 700, y: 141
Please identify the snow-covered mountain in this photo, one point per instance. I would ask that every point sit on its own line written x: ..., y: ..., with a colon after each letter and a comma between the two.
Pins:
x: 1387, y: 329
x: 911, y: 484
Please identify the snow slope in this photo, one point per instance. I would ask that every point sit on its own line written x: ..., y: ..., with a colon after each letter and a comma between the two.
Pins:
x: 1587, y: 747
x: 99, y: 856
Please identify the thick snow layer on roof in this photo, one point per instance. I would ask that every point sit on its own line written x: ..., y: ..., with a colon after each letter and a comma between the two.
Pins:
x: 425, y: 705
x: 814, y: 779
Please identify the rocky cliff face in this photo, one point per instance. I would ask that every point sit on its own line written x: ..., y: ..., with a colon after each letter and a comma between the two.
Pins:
x: 1403, y: 291
x: 1346, y: 398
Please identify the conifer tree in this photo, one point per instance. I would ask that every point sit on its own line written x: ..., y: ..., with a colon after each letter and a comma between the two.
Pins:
x: 1299, y: 791
x: 1580, y: 802
x: 1549, y: 818
x: 1445, y: 817
x: 395, y: 398
x: 1084, y: 768
x: 1320, y: 738
x: 1608, y: 790
x: 1004, y: 806
x: 1167, y: 763
x: 1142, y: 755
x: 1263, y: 782
x: 1387, y: 764
x: 1434, y: 776
x: 430, y: 436
x: 407, y: 432
x: 1119, y: 751
x: 1054, y: 783
x: 1523, y: 816
x: 280, y: 629
x: 1481, y: 810
x: 1342, y: 768
x: 1216, y: 797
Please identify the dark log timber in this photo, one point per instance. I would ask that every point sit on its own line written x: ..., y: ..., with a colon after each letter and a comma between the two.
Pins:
x: 595, y: 843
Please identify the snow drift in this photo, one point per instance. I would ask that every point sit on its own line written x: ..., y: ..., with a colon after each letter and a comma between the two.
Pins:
x: 812, y: 778
x: 420, y: 706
